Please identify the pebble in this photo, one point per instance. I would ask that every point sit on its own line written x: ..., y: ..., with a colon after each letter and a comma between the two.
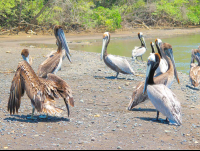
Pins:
x: 92, y: 139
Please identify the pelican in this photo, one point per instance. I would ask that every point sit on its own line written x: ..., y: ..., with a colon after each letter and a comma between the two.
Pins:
x: 53, y: 63
x: 118, y: 64
x: 165, y: 78
x: 164, y: 100
x: 195, y: 68
x: 42, y: 92
x: 139, y: 51
x: 163, y: 66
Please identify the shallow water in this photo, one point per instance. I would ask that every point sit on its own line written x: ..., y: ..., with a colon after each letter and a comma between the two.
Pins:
x: 182, y: 46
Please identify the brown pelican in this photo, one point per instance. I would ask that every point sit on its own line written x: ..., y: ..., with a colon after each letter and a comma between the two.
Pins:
x: 42, y: 92
x: 195, y: 68
x: 53, y: 63
x: 165, y: 78
x: 139, y: 51
x: 118, y: 64
x: 164, y: 100
x: 163, y: 66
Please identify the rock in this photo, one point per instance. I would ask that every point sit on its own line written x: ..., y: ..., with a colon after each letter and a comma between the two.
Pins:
x: 92, y: 139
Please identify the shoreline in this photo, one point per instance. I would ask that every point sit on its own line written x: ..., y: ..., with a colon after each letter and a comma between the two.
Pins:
x: 153, y: 33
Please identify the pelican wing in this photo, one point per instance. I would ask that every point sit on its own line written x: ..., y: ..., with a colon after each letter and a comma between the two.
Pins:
x: 16, y: 92
x: 119, y: 63
x: 194, y: 74
x: 25, y: 80
x: 49, y: 65
x: 166, y: 102
x: 138, y: 51
x: 62, y: 88
x: 138, y: 96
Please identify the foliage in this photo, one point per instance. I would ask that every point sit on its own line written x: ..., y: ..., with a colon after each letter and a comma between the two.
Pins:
x: 100, y: 13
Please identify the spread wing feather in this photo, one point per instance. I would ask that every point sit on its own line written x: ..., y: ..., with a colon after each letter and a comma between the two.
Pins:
x: 25, y: 80
x: 49, y: 65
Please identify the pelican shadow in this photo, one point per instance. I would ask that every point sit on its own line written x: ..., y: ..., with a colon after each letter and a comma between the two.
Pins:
x: 193, y: 88
x: 143, y: 110
x: 154, y: 120
x: 23, y: 118
x: 112, y: 78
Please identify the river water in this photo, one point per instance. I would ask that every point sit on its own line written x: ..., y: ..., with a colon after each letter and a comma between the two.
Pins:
x: 182, y: 46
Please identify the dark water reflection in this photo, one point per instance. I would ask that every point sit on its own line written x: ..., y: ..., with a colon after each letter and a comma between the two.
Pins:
x: 182, y: 46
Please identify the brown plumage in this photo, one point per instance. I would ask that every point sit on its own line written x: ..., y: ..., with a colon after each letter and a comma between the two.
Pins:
x: 42, y: 92
x: 195, y: 68
x: 53, y: 63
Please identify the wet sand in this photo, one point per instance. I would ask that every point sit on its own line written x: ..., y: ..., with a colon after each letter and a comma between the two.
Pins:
x: 100, y: 119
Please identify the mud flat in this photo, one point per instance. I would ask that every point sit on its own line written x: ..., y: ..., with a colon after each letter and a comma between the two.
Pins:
x: 100, y: 119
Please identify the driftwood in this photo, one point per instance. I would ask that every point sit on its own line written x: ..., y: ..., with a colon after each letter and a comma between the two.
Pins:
x: 10, y: 30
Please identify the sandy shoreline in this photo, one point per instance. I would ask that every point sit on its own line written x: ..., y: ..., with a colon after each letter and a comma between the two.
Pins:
x: 100, y: 119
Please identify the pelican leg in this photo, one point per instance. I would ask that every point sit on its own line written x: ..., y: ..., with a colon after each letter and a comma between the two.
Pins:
x: 32, y: 118
x: 141, y: 58
x: 157, y: 115
x: 117, y: 75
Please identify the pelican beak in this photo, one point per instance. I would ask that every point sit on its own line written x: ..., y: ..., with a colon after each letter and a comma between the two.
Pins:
x: 169, y: 53
x: 104, y: 45
x: 26, y: 58
x: 149, y: 66
x: 63, y: 40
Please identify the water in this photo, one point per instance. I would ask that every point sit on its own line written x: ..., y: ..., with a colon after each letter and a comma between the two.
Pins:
x: 182, y: 46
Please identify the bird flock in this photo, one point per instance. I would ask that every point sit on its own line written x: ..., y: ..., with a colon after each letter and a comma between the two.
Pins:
x: 44, y: 87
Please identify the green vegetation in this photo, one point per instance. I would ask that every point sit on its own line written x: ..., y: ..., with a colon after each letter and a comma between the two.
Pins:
x: 95, y: 14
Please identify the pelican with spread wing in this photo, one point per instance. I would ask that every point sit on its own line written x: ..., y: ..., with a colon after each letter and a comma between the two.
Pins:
x: 42, y: 92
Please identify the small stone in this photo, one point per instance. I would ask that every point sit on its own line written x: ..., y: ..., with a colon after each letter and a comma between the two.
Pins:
x: 92, y: 139
x: 118, y: 147
x: 70, y: 142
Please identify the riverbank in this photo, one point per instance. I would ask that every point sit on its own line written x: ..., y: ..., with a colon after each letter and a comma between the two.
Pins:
x: 100, y: 119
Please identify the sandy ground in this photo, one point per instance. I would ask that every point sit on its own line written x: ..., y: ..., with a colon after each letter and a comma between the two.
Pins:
x: 100, y: 119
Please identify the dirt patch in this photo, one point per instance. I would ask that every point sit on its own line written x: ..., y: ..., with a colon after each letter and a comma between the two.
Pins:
x: 100, y: 119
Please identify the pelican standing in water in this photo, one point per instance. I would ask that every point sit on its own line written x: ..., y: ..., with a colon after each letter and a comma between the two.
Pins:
x: 139, y: 51
x: 118, y: 64
x: 195, y: 68
x: 53, y: 63
x: 165, y: 78
x: 41, y: 92
x: 164, y: 100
